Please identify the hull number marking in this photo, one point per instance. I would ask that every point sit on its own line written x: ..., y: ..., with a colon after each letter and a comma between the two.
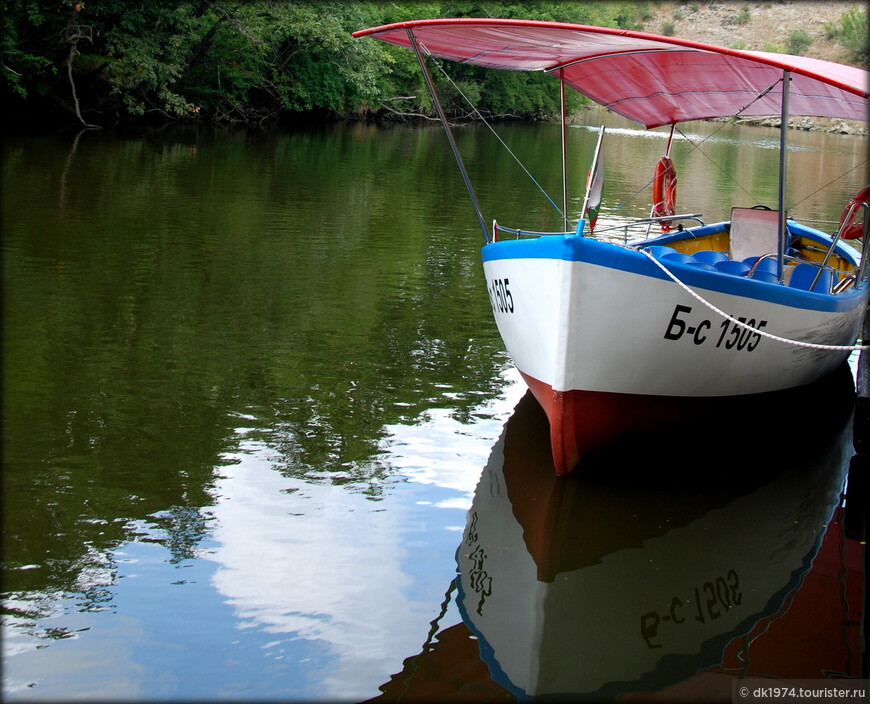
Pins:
x: 726, y: 334
x: 479, y: 579
x: 711, y: 601
x: 500, y: 296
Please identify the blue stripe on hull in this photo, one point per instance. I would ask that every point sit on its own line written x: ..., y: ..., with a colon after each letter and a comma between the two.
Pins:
x: 572, y: 248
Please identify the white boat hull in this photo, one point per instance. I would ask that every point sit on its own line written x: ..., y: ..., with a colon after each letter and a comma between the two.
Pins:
x: 605, y: 338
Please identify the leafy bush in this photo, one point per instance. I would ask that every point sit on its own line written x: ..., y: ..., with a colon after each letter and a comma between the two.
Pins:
x: 798, y: 42
x: 852, y: 33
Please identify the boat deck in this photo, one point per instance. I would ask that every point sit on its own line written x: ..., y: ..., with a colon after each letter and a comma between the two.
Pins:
x: 810, y: 264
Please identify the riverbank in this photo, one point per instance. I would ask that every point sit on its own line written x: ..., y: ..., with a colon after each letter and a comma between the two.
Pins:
x: 805, y: 124
x: 810, y: 124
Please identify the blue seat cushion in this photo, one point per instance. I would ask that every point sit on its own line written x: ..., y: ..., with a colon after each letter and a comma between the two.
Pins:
x: 660, y: 250
x: 729, y: 266
x: 768, y: 264
x: 803, y: 275
x: 768, y: 276
x: 705, y: 266
x: 679, y: 258
x: 708, y: 256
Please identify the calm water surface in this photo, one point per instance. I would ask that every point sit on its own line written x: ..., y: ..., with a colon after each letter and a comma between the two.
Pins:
x: 255, y: 441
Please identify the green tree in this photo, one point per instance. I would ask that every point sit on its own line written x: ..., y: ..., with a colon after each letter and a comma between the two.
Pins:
x: 230, y: 60
x: 176, y: 60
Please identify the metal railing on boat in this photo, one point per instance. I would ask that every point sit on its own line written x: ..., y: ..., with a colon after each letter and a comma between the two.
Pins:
x: 496, y: 228
x: 847, y: 218
x: 832, y: 286
x: 649, y: 222
x: 845, y: 282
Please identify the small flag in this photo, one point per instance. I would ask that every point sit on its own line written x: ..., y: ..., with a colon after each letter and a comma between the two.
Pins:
x: 594, y: 182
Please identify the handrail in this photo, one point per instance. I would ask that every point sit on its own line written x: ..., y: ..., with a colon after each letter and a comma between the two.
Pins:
x: 844, y: 283
x: 793, y: 259
x: 847, y: 218
x: 835, y: 238
x: 644, y: 221
x: 529, y: 233
x: 772, y: 255
x: 652, y: 221
x: 855, y: 277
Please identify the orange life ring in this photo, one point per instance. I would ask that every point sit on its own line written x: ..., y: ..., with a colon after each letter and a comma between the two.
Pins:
x: 664, y: 191
x: 851, y: 226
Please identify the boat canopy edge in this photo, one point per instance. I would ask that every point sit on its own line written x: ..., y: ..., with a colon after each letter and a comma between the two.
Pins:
x: 663, y: 80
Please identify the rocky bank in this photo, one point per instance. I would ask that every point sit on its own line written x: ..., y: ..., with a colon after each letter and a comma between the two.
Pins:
x: 760, y: 26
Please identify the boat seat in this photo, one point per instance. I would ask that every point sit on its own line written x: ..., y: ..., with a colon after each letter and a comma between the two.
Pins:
x: 660, y: 250
x: 767, y: 276
x: 704, y: 265
x: 765, y: 270
x: 803, y: 275
x: 767, y: 264
x: 753, y: 232
x: 679, y: 258
x: 729, y: 266
x: 708, y: 256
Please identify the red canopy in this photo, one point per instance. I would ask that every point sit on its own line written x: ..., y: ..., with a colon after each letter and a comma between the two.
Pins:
x: 650, y: 79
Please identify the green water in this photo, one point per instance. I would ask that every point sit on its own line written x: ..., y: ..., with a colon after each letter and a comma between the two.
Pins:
x: 157, y: 287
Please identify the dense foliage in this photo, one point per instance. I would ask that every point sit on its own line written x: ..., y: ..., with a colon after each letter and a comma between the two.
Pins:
x: 103, y: 61
x: 851, y: 32
x: 108, y: 60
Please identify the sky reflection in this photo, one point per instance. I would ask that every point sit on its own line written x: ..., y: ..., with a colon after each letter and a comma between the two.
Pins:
x: 297, y: 589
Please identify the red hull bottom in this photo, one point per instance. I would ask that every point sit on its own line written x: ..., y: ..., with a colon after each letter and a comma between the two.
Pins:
x: 583, y: 422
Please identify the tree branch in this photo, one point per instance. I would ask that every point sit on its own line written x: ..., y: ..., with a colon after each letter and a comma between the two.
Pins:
x: 75, y: 32
x: 408, y: 114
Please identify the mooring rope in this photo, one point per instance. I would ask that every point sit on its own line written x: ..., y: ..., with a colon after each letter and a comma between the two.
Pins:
x: 741, y: 323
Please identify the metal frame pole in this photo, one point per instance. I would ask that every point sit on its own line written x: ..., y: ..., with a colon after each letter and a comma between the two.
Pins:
x: 782, y: 232
x: 456, y: 155
x: 670, y: 140
x: 564, y: 152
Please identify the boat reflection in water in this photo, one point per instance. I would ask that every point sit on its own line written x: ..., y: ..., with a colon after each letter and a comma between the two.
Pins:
x: 679, y: 561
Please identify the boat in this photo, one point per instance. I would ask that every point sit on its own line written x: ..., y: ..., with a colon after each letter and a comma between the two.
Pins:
x: 615, y: 336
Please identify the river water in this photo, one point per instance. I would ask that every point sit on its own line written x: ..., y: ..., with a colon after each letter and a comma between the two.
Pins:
x: 261, y: 440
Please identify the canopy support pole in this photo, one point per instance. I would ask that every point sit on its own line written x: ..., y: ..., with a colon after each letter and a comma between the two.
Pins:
x: 564, y: 152
x: 782, y: 230
x: 670, y: 139
x: 456, y: 155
